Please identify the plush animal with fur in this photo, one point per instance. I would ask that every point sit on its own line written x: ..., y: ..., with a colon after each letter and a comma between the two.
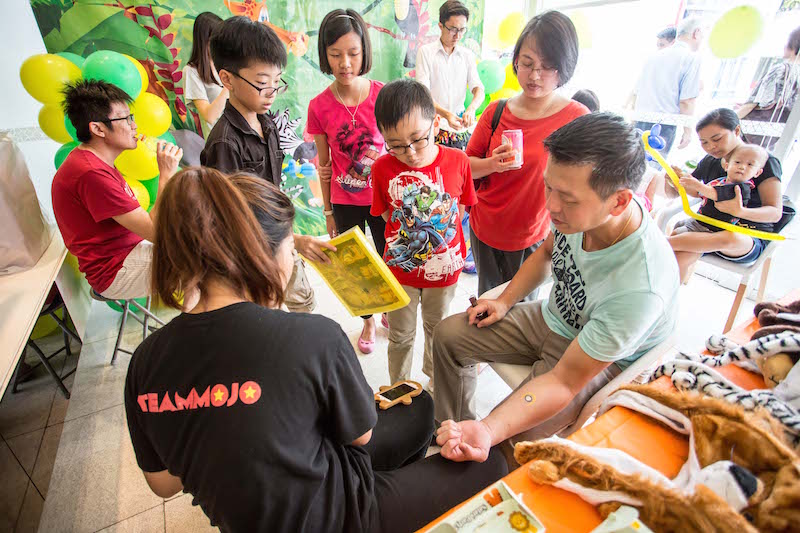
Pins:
x: 696, y: 372
x: 720, y: 432
x: 660, y: 508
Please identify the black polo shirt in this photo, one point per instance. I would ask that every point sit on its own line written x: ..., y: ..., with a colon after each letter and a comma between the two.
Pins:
x: 233, y: 146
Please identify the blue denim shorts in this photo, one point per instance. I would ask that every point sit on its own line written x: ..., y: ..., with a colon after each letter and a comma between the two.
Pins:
x: 749, y: 257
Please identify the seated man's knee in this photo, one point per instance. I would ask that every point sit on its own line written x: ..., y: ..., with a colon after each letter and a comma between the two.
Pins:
x: 449, y: 331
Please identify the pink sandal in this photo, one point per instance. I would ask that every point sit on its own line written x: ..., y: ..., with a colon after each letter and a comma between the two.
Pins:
x: 365, y: 346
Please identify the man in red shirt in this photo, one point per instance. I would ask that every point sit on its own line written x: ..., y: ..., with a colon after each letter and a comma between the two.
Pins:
x: 101, y: 221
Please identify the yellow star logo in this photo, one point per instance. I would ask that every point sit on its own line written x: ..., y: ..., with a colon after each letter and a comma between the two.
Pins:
x: 249, y: 392
x: 218, y: 395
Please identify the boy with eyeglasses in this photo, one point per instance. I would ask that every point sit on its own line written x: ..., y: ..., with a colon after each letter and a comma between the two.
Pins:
x: 448, y: 71
x: 250, y: 59
x: 98, y: 215
x: 420, y: 189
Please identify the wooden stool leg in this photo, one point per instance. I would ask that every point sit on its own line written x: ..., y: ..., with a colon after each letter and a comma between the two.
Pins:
x: 762, y: 287
x: 735, y: 308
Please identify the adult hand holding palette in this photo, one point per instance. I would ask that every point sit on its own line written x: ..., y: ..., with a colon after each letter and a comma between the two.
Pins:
x: 358, y: 276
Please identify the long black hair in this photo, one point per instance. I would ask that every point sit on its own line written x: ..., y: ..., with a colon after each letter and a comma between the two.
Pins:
x: 724, y: 118
x: 204, y: 26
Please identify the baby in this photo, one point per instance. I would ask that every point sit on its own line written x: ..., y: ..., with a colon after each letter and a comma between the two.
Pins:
x: 745, y: 163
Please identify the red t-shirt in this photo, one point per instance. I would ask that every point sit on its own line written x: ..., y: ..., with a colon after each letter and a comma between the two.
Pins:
x: 86, y: 194
x: 510, y: 214
x: 424, y: 242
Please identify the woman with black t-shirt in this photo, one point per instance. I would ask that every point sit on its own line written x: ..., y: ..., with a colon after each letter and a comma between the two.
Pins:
x: 265, y: 416
x: 720, y: 133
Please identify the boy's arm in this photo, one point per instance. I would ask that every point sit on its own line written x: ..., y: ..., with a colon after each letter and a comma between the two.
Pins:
x: 223, y: 156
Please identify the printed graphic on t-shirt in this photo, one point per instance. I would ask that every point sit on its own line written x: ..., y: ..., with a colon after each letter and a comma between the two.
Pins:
x: 356, y: 142
x: 248, y: 393
x: 428, y: 218
x: 570, y: 289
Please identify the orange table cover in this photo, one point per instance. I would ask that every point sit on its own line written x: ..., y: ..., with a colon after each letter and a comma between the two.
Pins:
x: 641, y: 437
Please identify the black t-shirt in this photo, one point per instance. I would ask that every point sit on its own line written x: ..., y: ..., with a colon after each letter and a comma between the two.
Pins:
x: 254, y: 410
x: 710, y: 168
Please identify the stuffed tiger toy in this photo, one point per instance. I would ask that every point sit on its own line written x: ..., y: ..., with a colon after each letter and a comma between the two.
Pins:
x: 695, y: 372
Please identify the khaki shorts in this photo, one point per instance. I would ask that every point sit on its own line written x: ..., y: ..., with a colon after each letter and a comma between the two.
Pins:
x: 133, y: 278
x: 299, y: 296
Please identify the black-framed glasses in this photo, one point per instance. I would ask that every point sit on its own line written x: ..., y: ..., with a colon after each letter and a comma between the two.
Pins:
x: 417, y: 145
x: 543, y: 73
x: 455, y: 31
x: 265, y: 91
x: 128, y: 119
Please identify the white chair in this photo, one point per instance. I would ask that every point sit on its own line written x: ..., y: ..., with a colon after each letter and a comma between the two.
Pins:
x: 744, y: 271
x: 513, y: 375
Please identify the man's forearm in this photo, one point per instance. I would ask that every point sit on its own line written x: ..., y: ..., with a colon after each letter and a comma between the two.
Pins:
x: 532, y: 404
x: 533, y: 272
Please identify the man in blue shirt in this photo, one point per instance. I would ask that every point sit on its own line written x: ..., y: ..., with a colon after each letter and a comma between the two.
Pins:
x: 670, y: 81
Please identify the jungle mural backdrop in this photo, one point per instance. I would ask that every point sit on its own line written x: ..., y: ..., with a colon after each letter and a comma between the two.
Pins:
x: 158, y: 35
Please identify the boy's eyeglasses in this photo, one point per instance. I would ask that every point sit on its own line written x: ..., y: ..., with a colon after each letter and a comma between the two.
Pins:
x: 455, y: 31
x: 417, y: 145
x: 128, y: 119
x: 265, y: 91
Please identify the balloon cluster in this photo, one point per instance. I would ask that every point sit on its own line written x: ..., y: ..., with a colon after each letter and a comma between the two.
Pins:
x: 652, y: 143
x: 44, y: 76
x: 498, y: 82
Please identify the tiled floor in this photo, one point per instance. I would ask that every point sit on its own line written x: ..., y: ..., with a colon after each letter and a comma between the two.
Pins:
x: 69, y: 466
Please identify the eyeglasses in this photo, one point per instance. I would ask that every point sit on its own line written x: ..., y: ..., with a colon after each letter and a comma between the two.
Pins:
x: 128, y: 119
x: 417, y: 145
x: 541, y: 72
x: 455, y: 31
x: 265, y: 91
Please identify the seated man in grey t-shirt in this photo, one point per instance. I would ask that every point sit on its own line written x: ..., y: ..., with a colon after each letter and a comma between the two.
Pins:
x: 614, y: 296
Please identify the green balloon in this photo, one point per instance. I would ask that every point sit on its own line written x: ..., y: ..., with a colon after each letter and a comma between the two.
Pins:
x: 486, y: 100
x: 63, y: 152
x: 70, y: 128
x: 115, y: 68
x: 468, y: 98
x: 168, y: 137
x: 141, y: 301
x: 74, y: 58
x: 492, y: 74
x: 152, y: 188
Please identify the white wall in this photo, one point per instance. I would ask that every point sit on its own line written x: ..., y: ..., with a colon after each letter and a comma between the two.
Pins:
x: 20, y: 39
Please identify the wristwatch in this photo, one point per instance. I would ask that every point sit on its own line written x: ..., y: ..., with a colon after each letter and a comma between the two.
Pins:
x: 327, y: 212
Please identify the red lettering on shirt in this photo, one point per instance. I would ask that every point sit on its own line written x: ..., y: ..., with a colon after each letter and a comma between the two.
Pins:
x: 200, y: 401
x: 166, y: 405
x: 234, y: 394
x: 216, y: 396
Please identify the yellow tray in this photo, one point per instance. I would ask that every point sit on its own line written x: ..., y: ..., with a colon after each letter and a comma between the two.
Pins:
x: 358, y: 276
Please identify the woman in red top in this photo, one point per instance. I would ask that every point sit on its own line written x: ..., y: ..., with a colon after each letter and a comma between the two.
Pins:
x: 510, y: 220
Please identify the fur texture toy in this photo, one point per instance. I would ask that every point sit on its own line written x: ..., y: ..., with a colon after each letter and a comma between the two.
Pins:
x: 720, y: 432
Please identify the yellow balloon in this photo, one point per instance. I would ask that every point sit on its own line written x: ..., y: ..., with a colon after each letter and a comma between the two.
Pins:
x: 44, y: 76
x: 582, y: 28
x: 152, y: 115
x: 509, y: 29
x: 735, y: 32
x: 511, y: 79
x: 51, y: 120
x: 765, y: 235
x: 142, y: 73
x: 139, y: 163
x: 502, y: 93
x: 140, y: 191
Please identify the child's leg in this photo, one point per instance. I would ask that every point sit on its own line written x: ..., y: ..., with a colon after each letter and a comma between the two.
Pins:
x: 726, y: 242
x: 402, y: 332
x: 299, y: 293
x: 686, y: 262
x: 435, y: 307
